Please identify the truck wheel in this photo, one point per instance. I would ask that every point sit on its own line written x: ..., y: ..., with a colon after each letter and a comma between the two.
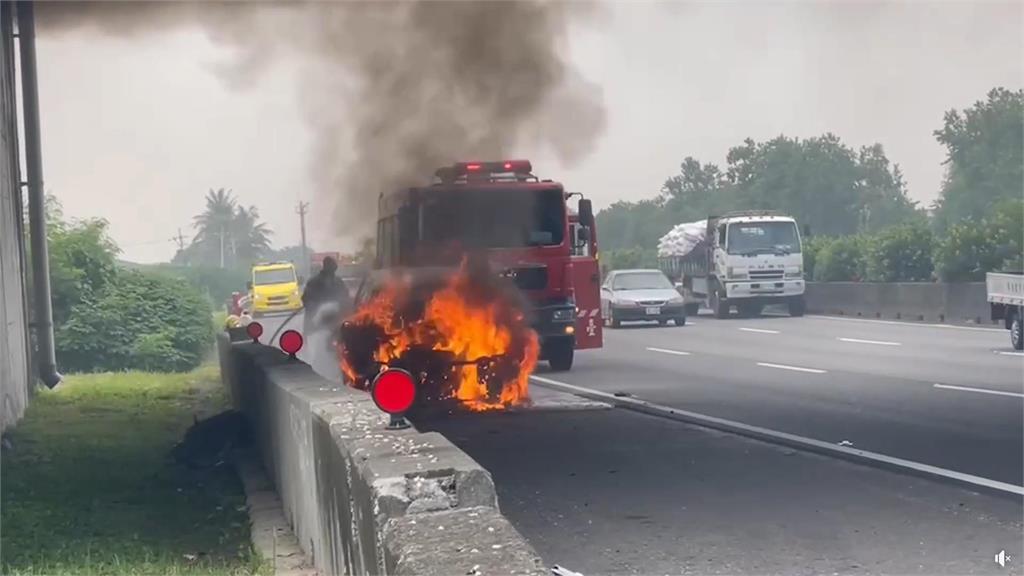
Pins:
x: 797, y: 306
x: 719, y: 305
x: 1017, y: 333
x: 692, y: 309
x: 560, y: 356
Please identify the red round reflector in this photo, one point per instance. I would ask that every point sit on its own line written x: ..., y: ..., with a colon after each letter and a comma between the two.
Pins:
x: 394, y: 391
x: 291, y: 341
x: 254, y: 330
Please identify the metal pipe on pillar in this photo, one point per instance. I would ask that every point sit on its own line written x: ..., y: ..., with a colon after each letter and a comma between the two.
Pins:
x: 45, y: 352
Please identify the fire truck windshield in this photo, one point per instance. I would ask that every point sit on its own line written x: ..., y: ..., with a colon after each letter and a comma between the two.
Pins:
x: 487, y: 218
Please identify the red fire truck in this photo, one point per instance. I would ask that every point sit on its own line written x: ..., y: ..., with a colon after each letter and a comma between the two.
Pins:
x: 526, y: 229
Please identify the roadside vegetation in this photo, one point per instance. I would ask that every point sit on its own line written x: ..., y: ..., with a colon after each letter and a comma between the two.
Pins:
x: 89, y: 486
x: 862, y: 224
x: 107, y: 317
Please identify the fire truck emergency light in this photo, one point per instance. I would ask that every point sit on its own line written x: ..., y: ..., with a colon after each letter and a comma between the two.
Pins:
x: 504, y: 166
x: 291, y: 342
x: 254, y: 330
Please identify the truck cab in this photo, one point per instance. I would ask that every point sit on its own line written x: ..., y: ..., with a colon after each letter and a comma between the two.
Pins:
x: 521, y: 224
x: 274, y: 287
x: 746, y: 260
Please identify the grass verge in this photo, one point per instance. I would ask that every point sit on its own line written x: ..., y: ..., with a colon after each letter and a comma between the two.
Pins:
x: 88, y: 486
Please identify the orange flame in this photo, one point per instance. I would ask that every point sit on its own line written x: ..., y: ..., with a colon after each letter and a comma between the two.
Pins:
x: 463, y: 321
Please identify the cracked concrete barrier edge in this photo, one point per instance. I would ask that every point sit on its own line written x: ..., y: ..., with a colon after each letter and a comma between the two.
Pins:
x: 363, y: 499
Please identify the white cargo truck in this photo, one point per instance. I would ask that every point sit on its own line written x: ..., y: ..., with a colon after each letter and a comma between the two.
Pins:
x: 1006, y: 299
x: 745, y: 260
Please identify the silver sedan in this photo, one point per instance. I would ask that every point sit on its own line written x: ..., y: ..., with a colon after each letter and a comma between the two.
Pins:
x: 640, y: 295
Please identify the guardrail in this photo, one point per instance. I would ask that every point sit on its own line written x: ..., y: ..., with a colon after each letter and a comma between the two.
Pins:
x: 363, y: 499
x: 917, y: 301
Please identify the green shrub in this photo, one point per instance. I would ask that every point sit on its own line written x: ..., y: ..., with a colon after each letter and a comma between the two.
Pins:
x: 812, y: 247
x: 968, y: 251
x: 840, y: 260
x: 899, y: 254
x: 155, y: 352
x: 82, y: 262
x: 216, y: 283
x: 626, y: 258
x: 139, y: 321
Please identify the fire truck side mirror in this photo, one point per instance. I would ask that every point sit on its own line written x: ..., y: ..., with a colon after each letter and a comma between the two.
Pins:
x: 586, y: 210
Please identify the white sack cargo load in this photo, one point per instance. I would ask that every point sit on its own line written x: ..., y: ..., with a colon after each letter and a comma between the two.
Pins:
x: 682, y: 239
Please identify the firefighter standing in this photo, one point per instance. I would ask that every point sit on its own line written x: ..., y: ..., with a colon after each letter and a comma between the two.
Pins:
x: 327, y: 287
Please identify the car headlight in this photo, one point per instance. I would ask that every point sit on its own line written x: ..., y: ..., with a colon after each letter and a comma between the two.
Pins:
x: 619, y: 302
x: 562, y: 315
x: 676, y: 299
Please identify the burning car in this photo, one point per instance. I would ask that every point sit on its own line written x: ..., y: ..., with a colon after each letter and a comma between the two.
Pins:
x: 462, y: 334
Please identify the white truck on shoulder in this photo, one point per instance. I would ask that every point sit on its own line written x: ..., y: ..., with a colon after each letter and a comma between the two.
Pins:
x: 1006, y: 300
x: 745, y: 260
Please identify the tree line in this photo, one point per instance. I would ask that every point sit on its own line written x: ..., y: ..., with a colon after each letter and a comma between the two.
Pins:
x: 112, y: 315
x: 856, y: 199
x: 108, y: 317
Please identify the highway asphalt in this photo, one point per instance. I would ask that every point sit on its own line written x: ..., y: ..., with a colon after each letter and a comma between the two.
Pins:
x: 622, y: 492
x: 951, y: 397
x: 617, y: 491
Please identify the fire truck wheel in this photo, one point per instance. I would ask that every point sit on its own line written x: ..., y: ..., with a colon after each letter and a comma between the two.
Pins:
x: 560, y: 356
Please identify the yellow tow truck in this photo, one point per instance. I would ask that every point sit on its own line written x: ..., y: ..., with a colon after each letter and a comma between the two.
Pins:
x: 274, y: 288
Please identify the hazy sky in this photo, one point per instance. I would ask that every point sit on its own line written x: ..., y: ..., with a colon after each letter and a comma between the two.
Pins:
x: 137, y: 130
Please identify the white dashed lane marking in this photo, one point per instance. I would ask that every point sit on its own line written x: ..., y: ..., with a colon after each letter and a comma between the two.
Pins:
x: 674, y: 352
x: 978, y: 390
x: 793, y: 368
x: 875, y: 342
x: 759, y: 330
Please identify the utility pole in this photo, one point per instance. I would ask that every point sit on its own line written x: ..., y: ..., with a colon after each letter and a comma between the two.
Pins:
x: 180, y: 239
x: 301, y: 210
x: 222, y: 247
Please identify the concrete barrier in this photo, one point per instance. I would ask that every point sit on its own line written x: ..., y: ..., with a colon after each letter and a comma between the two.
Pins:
x: 363, y: 499
x: 916, y: 301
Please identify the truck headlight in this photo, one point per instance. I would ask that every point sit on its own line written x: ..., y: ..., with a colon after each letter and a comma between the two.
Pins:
x: 562, y: 315
x: 795, y: 273
x: 733, y: 274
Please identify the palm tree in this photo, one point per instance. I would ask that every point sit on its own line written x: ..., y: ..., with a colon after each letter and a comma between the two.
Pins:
x: 250, y: 237
x: 213, y: 226
x: 227, y: 235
